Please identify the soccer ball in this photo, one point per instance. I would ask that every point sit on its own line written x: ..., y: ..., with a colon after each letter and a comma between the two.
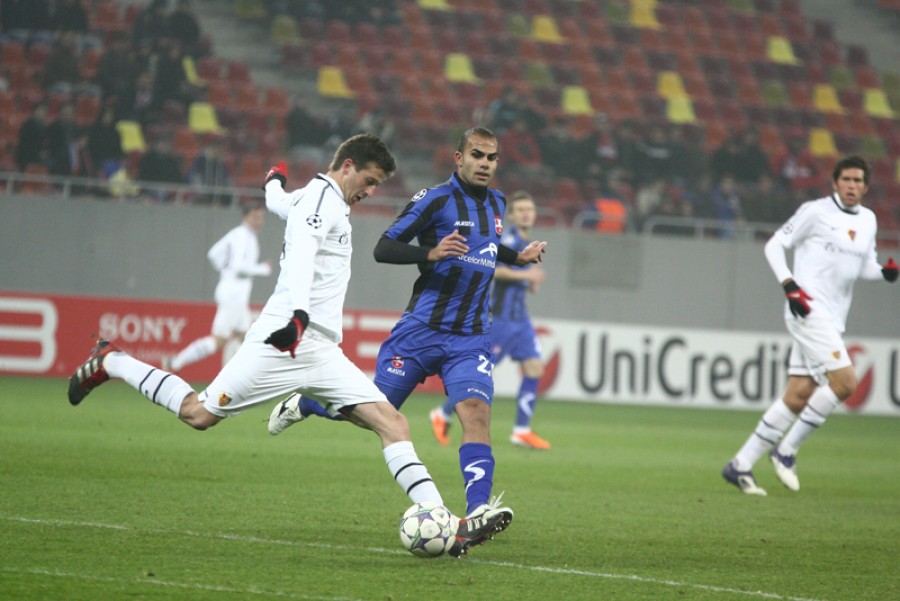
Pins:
x: 428, y: 529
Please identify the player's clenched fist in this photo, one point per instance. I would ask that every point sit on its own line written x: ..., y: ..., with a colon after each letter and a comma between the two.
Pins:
x: 890, y: 270
x: 278, y: 172
x: 797, y: 299
x: 287, y: 338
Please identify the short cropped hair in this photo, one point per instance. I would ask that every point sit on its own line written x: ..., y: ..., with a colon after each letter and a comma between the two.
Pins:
x: 480, y: 132
x: 363, y: 149
x: 515, y: 197
x: 852, y: 162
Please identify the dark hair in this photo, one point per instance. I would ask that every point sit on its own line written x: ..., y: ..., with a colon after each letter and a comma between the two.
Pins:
x: 480, y: 132
x: 363, y: 149
x: 852, y: 162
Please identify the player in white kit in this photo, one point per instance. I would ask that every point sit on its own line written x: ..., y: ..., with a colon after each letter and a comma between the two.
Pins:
x: 833, y: 239
x: 236, y: 257
x: 294, y: 345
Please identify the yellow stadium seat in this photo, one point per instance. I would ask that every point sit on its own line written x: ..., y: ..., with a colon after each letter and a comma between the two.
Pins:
x: 825, y: 99
x: 670, y: 85
x: 821, y: 143
x: 643, y: 14
x: 458, y: 67
x: 132, y: 136
x: 202, y: 118
x: 332, y: 84
x: 680, y: 110
x: 250, y: 9
x: 841, y: 77
x: 779, y: 50
x: 190, y: 71
x: 284, y: 30
x: 876, y: 103
x: 775, y: 94
x: 539, y: 74
x: 517, y: 25
x: 575, y: 101
x: 434, y: 4
x: 544, y: 29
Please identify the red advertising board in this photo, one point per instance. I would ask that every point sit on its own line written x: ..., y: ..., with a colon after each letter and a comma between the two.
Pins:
x: 50, y: 334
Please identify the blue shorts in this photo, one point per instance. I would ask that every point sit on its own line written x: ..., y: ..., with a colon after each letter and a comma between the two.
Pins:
x: 514, y: 339
x: 415, y: 351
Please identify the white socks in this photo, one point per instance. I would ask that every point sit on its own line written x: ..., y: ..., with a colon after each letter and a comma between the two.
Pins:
x: 769, y: 430
x: 410, y: 474
x: 195, y: 351
x: 163, y: 388
x: 822, y: 402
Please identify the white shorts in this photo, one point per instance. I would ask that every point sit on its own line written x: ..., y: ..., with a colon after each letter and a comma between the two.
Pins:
x: 231, y: 319
x: 818, y: 348
x: 259, y: 372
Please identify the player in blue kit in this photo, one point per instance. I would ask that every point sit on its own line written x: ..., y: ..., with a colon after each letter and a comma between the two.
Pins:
x: 445, y: 329
x: 512, y: 332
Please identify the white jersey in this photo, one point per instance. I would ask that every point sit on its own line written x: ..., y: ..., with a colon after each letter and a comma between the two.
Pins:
x: 833, y: 247
x: 236, y: 257
x: 315, y: 259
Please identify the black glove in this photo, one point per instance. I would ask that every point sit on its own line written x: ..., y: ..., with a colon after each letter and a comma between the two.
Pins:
x: 890, y: 270
x: 278, y: 172
x: 288, y: 337
x: 797, y: 299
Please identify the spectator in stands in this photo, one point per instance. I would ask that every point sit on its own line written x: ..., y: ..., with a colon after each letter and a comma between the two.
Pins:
x: 654, y: 159
x: 556, y: 145
x: 210, y: 169
x: 104, y: 143
x: 143, y: 108
x: 69, y: 15
x: 375, y: 121
x: 690, y: 162
x: 33, y: 15
x: 650, y: 196
x: 726, y: 205
x: 600, y: 146
x: 673, y: 217
x: 171, y: 81
x: 63, y: 138
x: 754, y: 162
x: 521, y: 153
x: 32, y: 145
x: 151, y: 25
x: 184, y: 27
x: 61, y: 70
x: 117, y: 74
x: 303, y: 129
x: 699, y: 196
x: 627, y: 151
x: 159, y: 165
x: 512, y: 106
x: 797, y: 169
x: 767, y: 202
x: 726, y: 158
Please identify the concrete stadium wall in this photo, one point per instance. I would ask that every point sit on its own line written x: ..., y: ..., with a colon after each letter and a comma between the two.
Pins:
x: 99, y: 248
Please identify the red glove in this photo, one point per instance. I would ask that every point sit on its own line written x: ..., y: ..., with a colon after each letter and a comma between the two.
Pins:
x: 890, y: 270
x: 797, y: 299
x: 288, y: 337
x: 278, y: 172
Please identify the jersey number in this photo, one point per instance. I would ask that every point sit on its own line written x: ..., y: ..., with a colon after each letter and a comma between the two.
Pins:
x: 486, y: 365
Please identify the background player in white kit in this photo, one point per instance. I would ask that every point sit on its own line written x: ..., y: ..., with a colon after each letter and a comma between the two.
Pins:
x: 277, y: 358
x: 833, y: 239
x: 236, y: 257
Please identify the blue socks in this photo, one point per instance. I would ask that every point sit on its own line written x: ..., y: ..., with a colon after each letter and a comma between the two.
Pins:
x: 525, y: 402
x: 476, y: 461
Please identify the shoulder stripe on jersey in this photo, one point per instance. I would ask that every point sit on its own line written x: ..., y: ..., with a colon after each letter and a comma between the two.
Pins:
x: 465, y: 304
x: 462, y: 212
x: 433, y: 207
x: 443, y: 299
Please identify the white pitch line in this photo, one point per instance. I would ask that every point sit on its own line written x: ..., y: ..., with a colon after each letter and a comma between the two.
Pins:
x: 168, y: 583
x: 500, y: 564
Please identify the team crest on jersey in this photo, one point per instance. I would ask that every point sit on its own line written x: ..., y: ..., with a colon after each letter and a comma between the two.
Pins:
x: 852, y: 234
x: 314, y: 221
x: 419, y: 194
x: 224, y: 399
x: 397, y: 361
x: 498, y: 225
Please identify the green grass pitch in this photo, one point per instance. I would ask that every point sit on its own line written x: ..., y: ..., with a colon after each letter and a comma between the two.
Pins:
x: 115, y: 499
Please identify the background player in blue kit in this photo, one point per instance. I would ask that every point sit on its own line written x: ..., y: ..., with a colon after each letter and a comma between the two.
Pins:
x: 445, y: 329
x: 512, y: 332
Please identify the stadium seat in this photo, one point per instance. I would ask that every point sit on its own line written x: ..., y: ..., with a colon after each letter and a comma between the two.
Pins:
x: 184, y: 143
x: 250, y: 10
x: 821, y: 143
x: 575, y: 101
x: 237, y: 71
x: 643, y: 14
x: 250, y: 172
x: 218, y: 93
x: 458, y: 68
x: 841, y: 77
x: 779, y: 50
x: 680, y: 110
x: 876, y: 104
x: 873, y: 148
x: 209, y: 68
x: 276, y: 102
x: 132, y: 136
x: 202, y: 119
x: 775, y: 94
x: 544, y: 29
x: 670, y: 85
x: 284, y: 30
x: 331, y: 83
x: 825, y: 99
x: 245, y: 98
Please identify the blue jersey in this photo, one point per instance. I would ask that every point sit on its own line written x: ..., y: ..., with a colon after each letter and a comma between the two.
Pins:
x: 451, y: 295
x: 509, y: 296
